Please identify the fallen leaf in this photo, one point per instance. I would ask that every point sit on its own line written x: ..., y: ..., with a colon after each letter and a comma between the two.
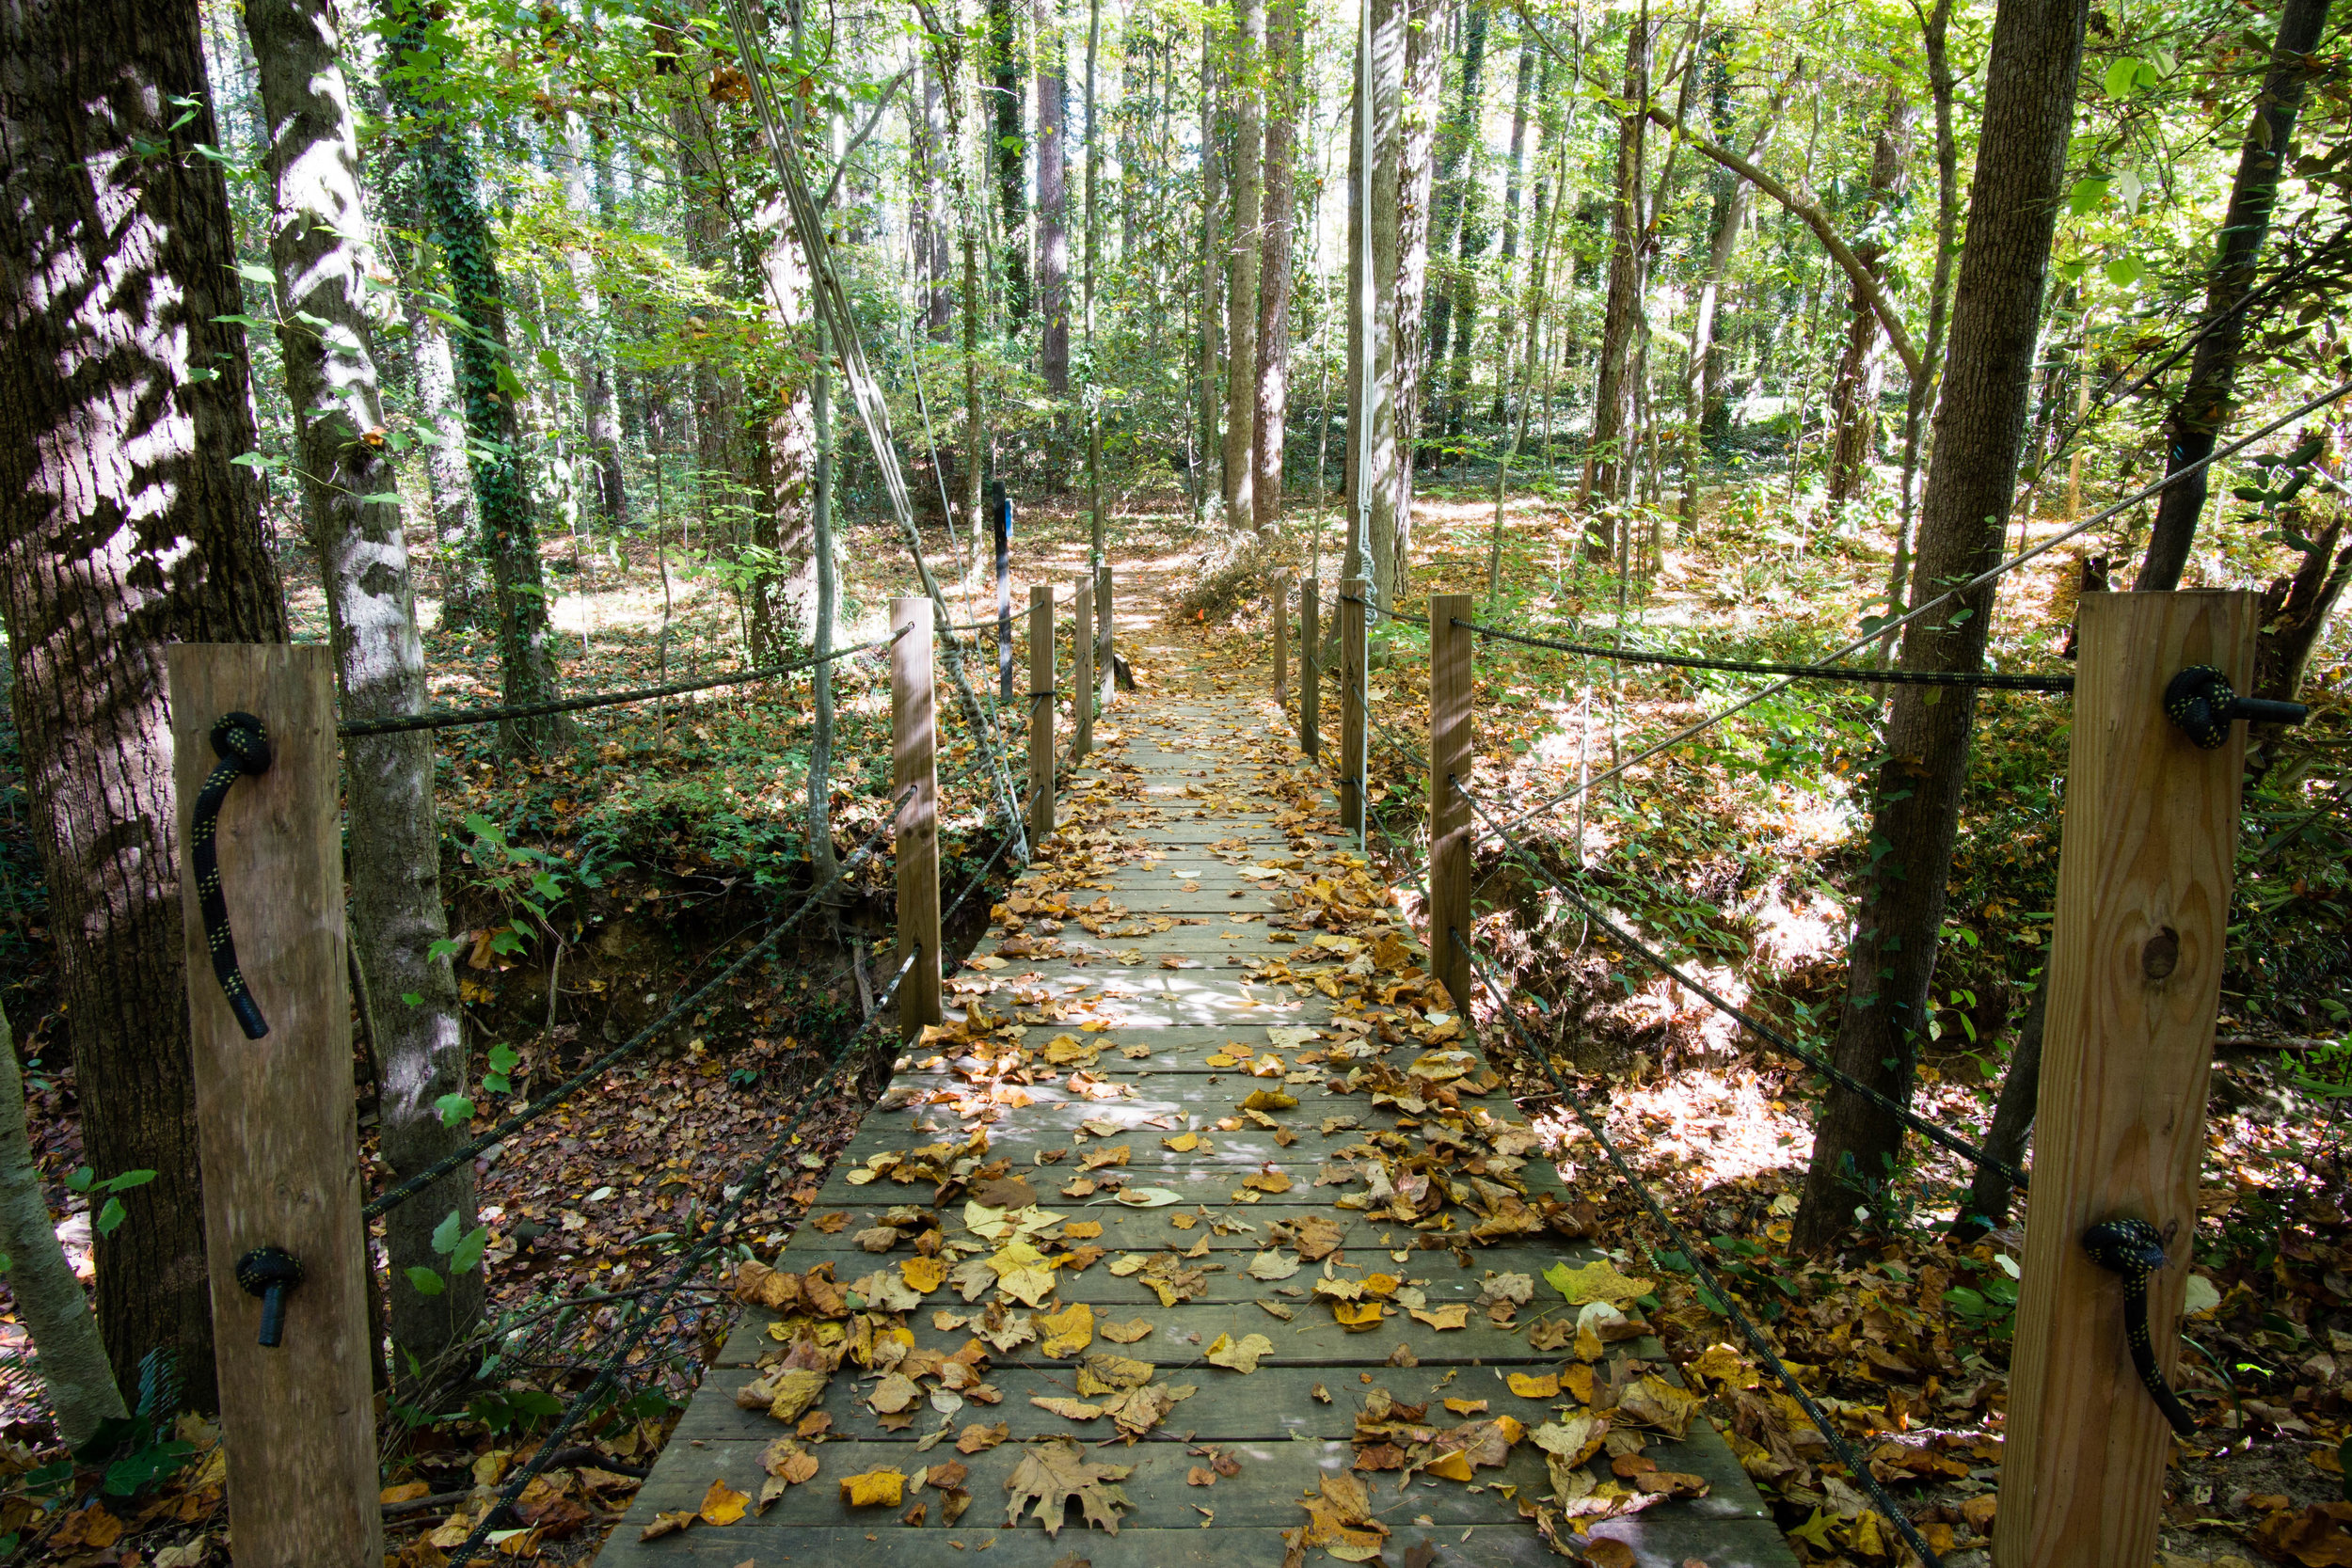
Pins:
x: 1065, y: 1332
x: 1452, y: 1315
x: 1242, y: 1357
x: 1595, y: 1281
x: 1271, y: 1266
x: 723, y: 1504
x: 977, y: 1438
x: 924, y: 1274
x: 1127, y: 1333
x: 1067, y: 1409
x: 874, y: 1489
x: 1053, y: 1474
x: 1527, y: 1385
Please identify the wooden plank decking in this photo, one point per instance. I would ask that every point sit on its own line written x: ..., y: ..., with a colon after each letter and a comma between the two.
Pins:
x: 1196, y: 825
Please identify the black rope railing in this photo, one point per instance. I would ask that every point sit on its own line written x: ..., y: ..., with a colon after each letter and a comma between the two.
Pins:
x: 1384, y: 611
x: 1854, y: 1462
x: 647, y: 1311
x: 1949, y: 1142
x: 1988, y: 679
x: 410, y: 1186
x: 443, y: 719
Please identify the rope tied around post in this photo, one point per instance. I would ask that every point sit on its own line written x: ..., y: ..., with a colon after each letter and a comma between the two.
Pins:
x: 2134, y: 1250
x: 242, y: 743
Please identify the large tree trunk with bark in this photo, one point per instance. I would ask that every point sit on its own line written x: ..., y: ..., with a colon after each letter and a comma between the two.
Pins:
x: 934, y: 252
x: 501, y: 478
x: 1609, y: 464
x: 1210, y: 453
x: 1515, y: 182
x: 1853, y: 397
x: 2028, y: 114
x: 1053, y: 204
x: 2204, y: 408
x: 1416, y: 175
x: 125, y: 526
x: 319, y: 237
x: 1456, y: 189
x: 1243, y: 242
x: 1283, y: 40
x: 1011, y: 152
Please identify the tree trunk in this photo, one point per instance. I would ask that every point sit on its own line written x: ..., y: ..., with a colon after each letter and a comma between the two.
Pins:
x: 1012, y: 200
x: 1415, y: 173
x: 1212, y: 385
x: 1853, y: 397
x: 1282, y: 65
x: 786, y: 596
x: 68, y: 1354
x: 457, y: 546
x: 1243, y: 244
x: 1513, y: 184
x: 1457, y: 187
x: 1609, y: 464
x: 319, y: 238
x: 125, y: 526
x: 722, y: 447
x: 501, y: 478
x: 2203, y: 408
x: 2011, y: 1133
x: 1053, y: 202
x: 2028, y: 114
x: 1935, y: 35
x: 1731, y: 216
x: 822, y: 859
x: 934, y: 251
x: 600, y: 417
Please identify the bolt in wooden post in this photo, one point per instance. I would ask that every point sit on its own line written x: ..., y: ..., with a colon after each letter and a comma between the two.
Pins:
x: 1041, y: 714
x: 1082, y: 678
x: 277, y: 1129
x: 1105, y: 671
x: 1310, y: 670
x: 1452, y: 743
x: 2135, y: 976
x: 912, y: 746
x: 1279, y: 590
x: 1354, y: 673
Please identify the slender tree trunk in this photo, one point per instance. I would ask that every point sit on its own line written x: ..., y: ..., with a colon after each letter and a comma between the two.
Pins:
x: 936, y: 248
x: 1243, y: 244
x: 457, y: 546
x: 1282, y: 64
x: 1011, y: 150
x: 69, y: 1356
x: 786, y: 449
x: 2028, y: 114
x: 1854, y: 393
x: 1935, y: 42
x: 1053, y: 202
x: 600, y: 415
x: 1212, y: 385
x: 1457, y: 173
x: 1456, y: 302
x: 319, y: 239
x: 1507, y: 329
x: 2203, y: 408
x: 125, y: 526
x: 1095, y: 556
x: 1415, y: 176
x: 1609, y: 464
x: 822, y: 861
x: 2011, y: 1132
x: 502, y: 480
x: 1731, y: 216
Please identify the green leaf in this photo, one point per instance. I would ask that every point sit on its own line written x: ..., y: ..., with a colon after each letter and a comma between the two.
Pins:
x: 80, y: 1181
x: 446, y: 1234
x: 455, y: 1109
x: 466, y: 1255
x: 531, y: 1402
x: 2125, y: 269
x: 414, y: 999
x: 253, y: 274
x: 424, y: 1281
x: 2122, y: 78
x: 2088, y: 193
x: 129, y: 1179
x: 504, y: 1059
x: 111, y: 1218
x: 447, y: 947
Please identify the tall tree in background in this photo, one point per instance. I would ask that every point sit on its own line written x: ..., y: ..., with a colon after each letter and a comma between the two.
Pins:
x: 1372, y: 267
x: 1283, y: 49
x: 592, y: 370
x: 502, y: 480
x: 934, y: 247
x: 1211, y: 338
x: 1853, y: 399
x: 1052, y: 201
x: 1003, y: 64
x: 319, y: 244
x: 125, y: 525
x: 1515, y: 184
x: 2203, y: 406
x: 1979, y: 428
x: 1459, y: 193
x: 1608, y: 469
x: 1243, y: 241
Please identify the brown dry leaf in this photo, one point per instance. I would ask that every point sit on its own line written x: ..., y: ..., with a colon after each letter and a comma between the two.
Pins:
x: 1267, y: 1181
x: 1104, y: 1374
x: 667, y: 1522
x: 893, y: 1394
x: 1055, y: 1474
x: 2319, y: 1536
x: 1067, y: 1409
x: 1270, y: 1100
x: 1338, y: 1518
x: 875, y: 1489
x: 1607, y: 1552
x: 1453, y: 1315
x: 1242, y: 1357
x: 1127, y: 1333
x: 923, y: 1275
x: 1081, y: 1231
x: 977, y: 1438
x: 723, y: 1504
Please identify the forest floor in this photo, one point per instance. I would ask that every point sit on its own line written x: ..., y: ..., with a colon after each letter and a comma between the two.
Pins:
x: 674, y: 837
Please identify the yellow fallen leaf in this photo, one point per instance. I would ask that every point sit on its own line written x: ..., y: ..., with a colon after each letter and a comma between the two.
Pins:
x: 1595, y: 1281
x: 1270, y: 1100
x: 1128, y: 1332
x: 1242, y: 1357
x: 724, y: 1505
x: 1065, y: 1332
x: 1452, y: 1466
x: 1452, y: 1315
x: 1067, y: 1409
x: 1529, y: 1386
x: 406, y: 1493
x: 923, y: 1275
x: 1467, y: 1407
x: 1081, y: 1231
x: 874, y: 1489
x: 1357, y: 1314
x: 1183, y: 1143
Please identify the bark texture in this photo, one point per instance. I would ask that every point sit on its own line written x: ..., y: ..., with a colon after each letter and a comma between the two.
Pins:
x: 1853, y: 397
x: 1053, y: 204
x: 1609, y: 471
x: 125, y: 526
x: 1283, y: 35
x: 1012, y: 198
x: 319, y: 230
x: 1243, y: 242
x: 2028, y: 114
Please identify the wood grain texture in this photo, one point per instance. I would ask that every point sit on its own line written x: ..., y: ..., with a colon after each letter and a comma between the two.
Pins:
x: 1040, y: 713
x: 1452, y: 741
x: 1082, y: 679
x: 2135, y: 974
x: 1310, y: 671
x: 277, y: 1124
x: 1353, y: 592
x: 913, y: 742
x: 1278, y: 592
x: 1106, y: 671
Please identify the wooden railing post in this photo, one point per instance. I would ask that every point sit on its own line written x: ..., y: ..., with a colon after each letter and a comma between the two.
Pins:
x: 1040, y: 715
x: 1105, y: 671
x: 913, y: 740
x: 1310, y: 670
x: 1452, y: 744
x: 1353, y: 674
x: 1279, y: 590
x: 276, y: 1128
x: 1082, y: 676
x: 2135, y: 975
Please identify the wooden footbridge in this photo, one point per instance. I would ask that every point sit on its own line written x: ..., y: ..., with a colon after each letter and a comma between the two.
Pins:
x: 1200, y: 1232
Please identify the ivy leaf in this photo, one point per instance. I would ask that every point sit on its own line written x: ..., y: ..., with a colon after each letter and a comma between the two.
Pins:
x: 424, y: 1281
x: 455, y: 1108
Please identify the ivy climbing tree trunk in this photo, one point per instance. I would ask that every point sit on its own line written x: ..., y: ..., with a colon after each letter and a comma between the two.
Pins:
x: 1979, y: 428
x: 487, y: 382
x: 125, y: 525
x: 2197, y: 418
x: 319, y: 232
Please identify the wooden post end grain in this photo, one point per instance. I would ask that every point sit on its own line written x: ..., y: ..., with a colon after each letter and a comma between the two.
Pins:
x: 2135, y: 975
x: 914, y: 746
x: 275, y: 1123
x: 1452, y: 649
